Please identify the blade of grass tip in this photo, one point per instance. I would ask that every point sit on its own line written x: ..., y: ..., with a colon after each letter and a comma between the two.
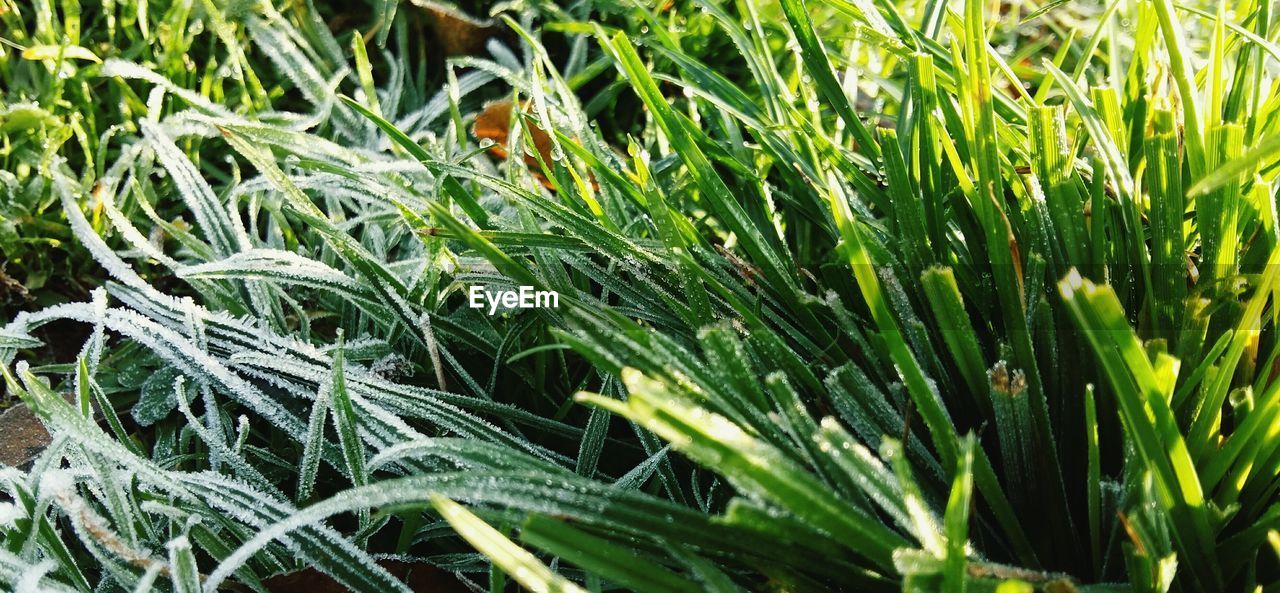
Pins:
x: 1117, y: 170
x: 864, y: 468
x: 147, y: 582
x: 1106, y: 102
x: 1093, y: 481
x: 592, y: 443
x: 500, y: 260
x: 344, y: 418
x: 182, y: 566
x: 601, y: 169
x: 1037, y: 13
x: 365, y: 72
x: 598, y: 556
x: 455, y: 142
x: 313, y: 447
x: 944, y: 299
x: 1009, y: 406
x: 84, y: 395
x: 675, y: 241
x: 517, y: 562
x: 923, y: 522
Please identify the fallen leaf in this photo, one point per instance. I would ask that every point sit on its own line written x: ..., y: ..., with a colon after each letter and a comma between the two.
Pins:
x: 459, y: 33
x: 24, y: 436
x: 493, y: 123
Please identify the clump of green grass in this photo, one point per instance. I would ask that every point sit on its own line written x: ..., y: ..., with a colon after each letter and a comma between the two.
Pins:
x: 63, y: 117
x: 908, y: 300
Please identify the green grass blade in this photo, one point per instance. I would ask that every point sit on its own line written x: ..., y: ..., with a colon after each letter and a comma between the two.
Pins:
x: 817, y: 65
x: 344, y: 419
x: 598, y: 556
x: 956, y: 522
x: 517, y: 562
x: 1149, y: 421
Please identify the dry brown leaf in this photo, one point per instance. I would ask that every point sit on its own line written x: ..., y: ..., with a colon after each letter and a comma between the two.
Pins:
x: 458, y: 33
x: 493, y: 123
x: 22, y: 433
x: 24, y: 436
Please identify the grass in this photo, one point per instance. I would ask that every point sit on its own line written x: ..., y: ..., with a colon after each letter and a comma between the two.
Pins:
x: 855, y: 295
